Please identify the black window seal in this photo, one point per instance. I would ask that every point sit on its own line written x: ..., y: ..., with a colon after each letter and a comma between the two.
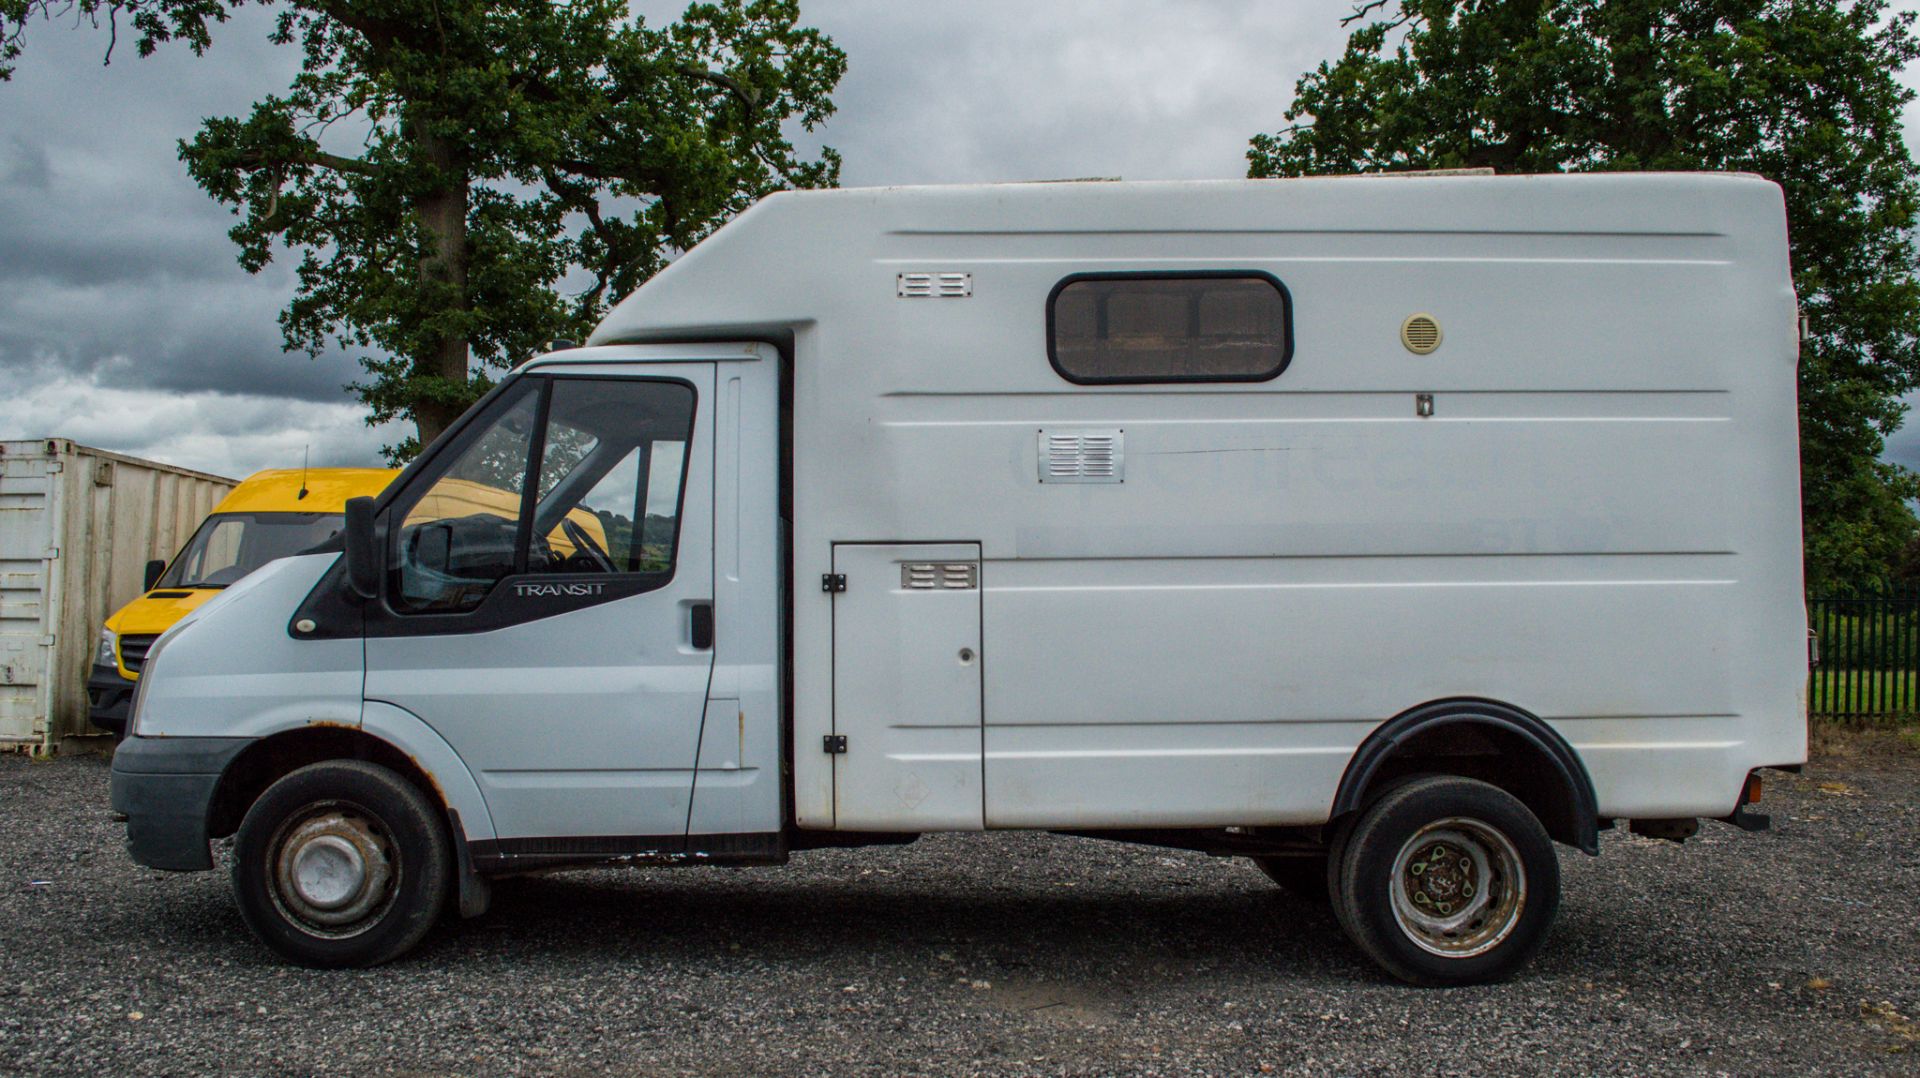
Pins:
x: 1286, y: 319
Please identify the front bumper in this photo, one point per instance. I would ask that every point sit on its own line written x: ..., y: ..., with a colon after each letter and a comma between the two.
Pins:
x: 108, y: 696
x: 164, y: 786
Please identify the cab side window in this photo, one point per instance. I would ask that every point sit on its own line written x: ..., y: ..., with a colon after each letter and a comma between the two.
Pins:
x: 610, y: 475
x: 564, y: 475
x: 636, y: 504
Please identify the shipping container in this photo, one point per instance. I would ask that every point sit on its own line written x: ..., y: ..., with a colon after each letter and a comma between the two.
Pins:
x: 77, y: 527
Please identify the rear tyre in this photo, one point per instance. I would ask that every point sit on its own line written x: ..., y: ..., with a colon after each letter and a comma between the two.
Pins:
x: 1447, y: 881
x: 1304, y: 877
x: 342, y: 863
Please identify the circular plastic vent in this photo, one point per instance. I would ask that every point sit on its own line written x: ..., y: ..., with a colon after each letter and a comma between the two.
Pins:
x: 1420, y: 333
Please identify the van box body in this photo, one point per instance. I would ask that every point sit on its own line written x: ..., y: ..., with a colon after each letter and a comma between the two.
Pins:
x: 1598, y: 523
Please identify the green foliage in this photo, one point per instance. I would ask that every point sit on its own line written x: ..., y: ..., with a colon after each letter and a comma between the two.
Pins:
x: 445, y: 169
x: 1800, y: 91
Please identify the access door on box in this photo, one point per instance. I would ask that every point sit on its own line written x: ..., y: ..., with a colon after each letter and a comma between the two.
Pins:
x: 906, y: 687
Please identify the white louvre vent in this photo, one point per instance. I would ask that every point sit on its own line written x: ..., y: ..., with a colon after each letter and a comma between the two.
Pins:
x: 935, y: 285
x: 939, y: 575
x: 1083, y: 456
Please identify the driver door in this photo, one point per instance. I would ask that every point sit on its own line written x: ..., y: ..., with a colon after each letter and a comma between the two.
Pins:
x: 548, y: 598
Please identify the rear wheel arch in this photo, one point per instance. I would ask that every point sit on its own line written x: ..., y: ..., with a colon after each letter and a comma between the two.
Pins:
x: 1488, y: 740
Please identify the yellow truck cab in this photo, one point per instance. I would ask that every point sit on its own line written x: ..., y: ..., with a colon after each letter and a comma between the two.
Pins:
x: 270, y: 515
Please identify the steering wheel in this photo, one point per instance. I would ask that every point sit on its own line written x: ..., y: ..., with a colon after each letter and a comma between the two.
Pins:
x: 584, y: 543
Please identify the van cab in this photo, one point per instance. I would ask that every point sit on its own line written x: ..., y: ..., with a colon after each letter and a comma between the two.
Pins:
x: 269, y: 515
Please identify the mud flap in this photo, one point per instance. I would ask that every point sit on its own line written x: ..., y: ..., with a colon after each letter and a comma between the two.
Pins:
x: 475, y: 893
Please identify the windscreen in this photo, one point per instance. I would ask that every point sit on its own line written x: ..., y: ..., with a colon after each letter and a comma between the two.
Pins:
x: 228, y: 546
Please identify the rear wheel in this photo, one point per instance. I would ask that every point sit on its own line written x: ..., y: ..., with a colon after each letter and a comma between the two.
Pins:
x: 1447, y: 881
x: 342, y: 863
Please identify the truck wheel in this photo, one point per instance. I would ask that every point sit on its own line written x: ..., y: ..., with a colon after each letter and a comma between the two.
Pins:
x: 1305, y: 877
x: 1447, y: 881
x: 342, y: 863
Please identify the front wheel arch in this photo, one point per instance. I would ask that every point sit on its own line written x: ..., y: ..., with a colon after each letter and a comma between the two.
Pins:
x: 270, y: 759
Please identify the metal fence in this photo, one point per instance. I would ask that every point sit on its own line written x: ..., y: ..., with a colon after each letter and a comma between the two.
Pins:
x: 1869, y: 655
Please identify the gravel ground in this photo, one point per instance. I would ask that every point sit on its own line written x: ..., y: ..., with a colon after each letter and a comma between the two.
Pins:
x: 1791, y: 952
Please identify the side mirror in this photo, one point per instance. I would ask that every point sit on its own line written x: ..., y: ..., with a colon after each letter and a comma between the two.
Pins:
x: 362, y: 549
x: 154, y: 569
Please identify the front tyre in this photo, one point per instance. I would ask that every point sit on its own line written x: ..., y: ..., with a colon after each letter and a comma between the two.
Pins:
x: 1447, y: 881
x: 341, y: 863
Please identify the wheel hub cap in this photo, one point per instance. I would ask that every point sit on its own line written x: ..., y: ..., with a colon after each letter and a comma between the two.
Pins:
x: 1441, y: 878
x: 332, y: 869
x: 328, y: 871
x: 1458, y: 887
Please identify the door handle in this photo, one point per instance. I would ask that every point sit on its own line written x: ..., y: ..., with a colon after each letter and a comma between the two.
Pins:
x: 700, y: 626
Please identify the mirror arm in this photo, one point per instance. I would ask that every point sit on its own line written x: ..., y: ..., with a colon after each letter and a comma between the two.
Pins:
x: 362, y: 553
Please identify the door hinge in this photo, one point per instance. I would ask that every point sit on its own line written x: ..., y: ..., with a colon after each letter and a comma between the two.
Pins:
x: 834, y: 744
x: 833, y: 582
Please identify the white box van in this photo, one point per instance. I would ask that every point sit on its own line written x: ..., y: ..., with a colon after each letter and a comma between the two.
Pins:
x: 1383, y: 531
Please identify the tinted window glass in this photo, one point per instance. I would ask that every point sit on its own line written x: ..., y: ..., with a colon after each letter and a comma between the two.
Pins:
x: 460, y: 536
x: 1169, y: 329
x: 607, y: 499
x: 610, y: 474
x: 644, y: 487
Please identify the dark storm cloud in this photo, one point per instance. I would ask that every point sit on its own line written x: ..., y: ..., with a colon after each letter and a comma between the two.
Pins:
x: 162, y: 334
x: 72, y: 217
x: 114, y: 267
x: 25, y: 168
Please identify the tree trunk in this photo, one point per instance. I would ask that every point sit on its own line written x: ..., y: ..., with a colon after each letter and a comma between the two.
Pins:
x: 444, y: 215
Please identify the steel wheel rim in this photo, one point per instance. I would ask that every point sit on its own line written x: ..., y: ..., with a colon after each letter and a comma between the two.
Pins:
x: 332, y: 869
x: 1458, y: 887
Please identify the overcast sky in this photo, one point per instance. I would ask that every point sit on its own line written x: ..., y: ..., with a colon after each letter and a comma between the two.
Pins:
x: 125, y: 322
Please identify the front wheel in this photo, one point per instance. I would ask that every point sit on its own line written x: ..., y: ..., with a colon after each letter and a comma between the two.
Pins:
x: 1447, y: 881
x: 342, y: 863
